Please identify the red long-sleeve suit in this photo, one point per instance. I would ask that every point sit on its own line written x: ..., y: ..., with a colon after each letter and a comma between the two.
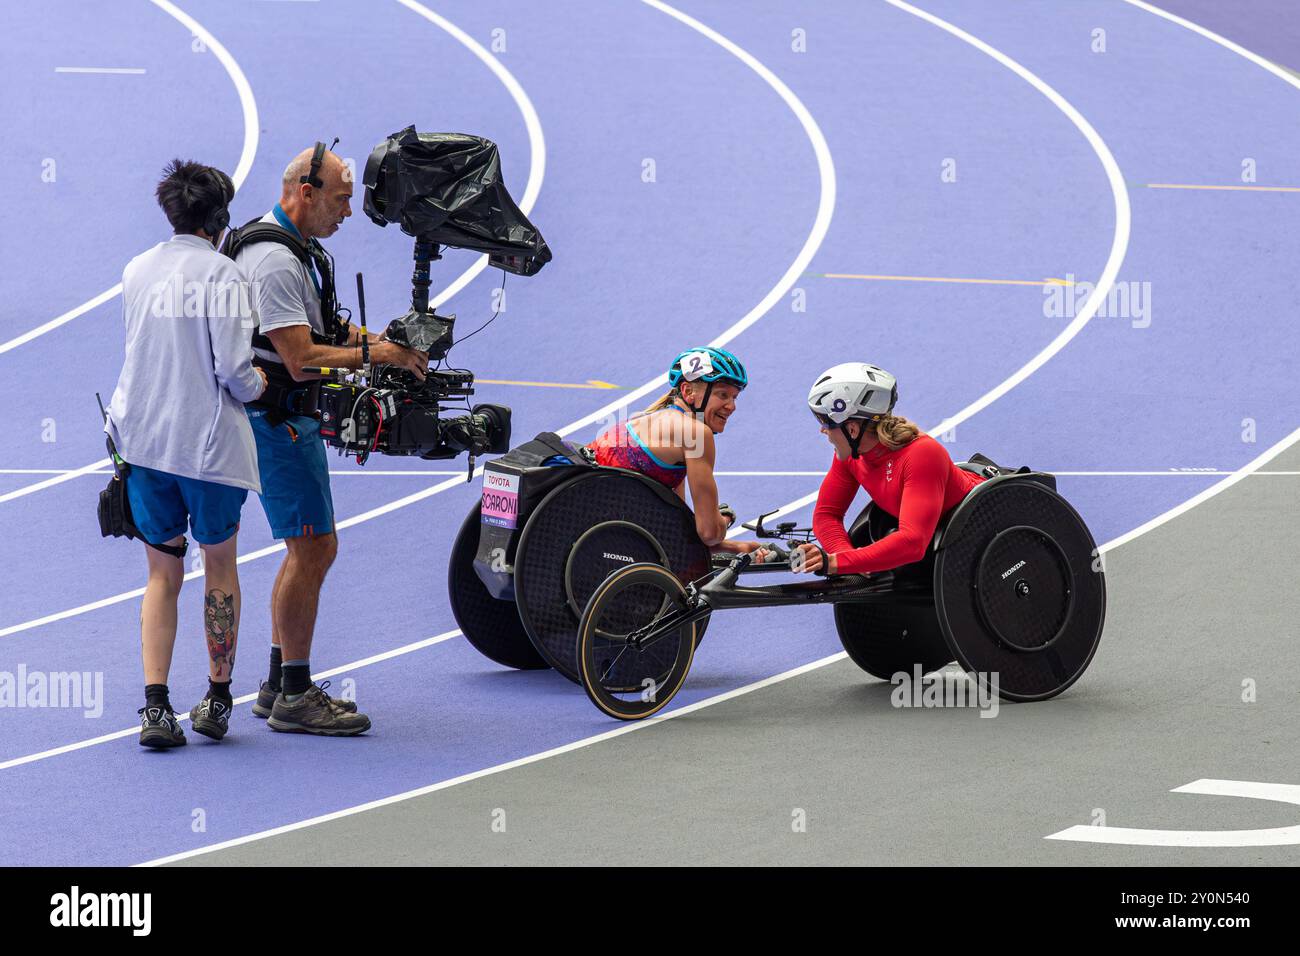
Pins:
x: 918, y: 483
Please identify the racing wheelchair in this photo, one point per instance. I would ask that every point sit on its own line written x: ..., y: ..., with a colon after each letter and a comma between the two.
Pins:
x: 551, y: 526
x: 598, y: 573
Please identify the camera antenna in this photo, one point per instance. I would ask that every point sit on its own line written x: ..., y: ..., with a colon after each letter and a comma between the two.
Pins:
x: 365, y: 336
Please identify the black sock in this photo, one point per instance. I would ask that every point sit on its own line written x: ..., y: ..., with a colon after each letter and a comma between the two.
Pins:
x: 220, y: 690
x: 156, y: 695
x: 273, y: 676
x: 297, y: 677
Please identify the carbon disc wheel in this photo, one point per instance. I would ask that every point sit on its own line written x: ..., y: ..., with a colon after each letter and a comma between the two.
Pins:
x: 490, y: 625
x: 625, y: 681
x: 886, y: 639
x: 1020, y: 593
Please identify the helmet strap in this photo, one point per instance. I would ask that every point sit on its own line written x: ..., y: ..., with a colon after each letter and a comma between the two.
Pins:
x: 853, y: 442
x: 697, y: 410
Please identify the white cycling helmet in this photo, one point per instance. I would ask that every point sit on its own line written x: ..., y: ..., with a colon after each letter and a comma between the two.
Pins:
x: 852, y: 390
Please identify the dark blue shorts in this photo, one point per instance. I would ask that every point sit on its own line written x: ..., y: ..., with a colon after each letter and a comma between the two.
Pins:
x: 295, y: 475
x: 161, y: 504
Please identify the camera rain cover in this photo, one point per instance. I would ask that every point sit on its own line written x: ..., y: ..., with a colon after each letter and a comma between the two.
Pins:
x: 422, y: 331
x: 446, y: 188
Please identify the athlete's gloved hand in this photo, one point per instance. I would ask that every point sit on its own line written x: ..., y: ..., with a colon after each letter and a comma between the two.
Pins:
x: 809, y: 558
x: 729, y: 513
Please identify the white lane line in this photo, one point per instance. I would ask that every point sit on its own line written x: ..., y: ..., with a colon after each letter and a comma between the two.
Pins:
x: 422, y: 473
x: 1190, y: 473
x: 63, y: 319
x: 1220, y: 486
x: 1252, y: 467
x: 1123, y: 216
x: 536, y: 171
x: 1255, y: 58
x: 1118, y: 247
x: 536, y: 141
x: 825, y: 204
x: 626, y: 728
x: 122, y: 70
x: 105, y: 470
x: 91, y: 469
x: 246, y: 698
x: 826, y: 171
x: 247, y: 105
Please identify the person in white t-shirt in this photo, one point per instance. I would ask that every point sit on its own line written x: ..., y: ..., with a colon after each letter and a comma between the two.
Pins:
x: 177, y: 419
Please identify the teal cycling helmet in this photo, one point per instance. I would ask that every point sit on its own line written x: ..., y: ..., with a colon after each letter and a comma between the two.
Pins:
x: 706, y: 364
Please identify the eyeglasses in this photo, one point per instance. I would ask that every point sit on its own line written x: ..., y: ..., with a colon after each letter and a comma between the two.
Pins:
x: 825, y: 421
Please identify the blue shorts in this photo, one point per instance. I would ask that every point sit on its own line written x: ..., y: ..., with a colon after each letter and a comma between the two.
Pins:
x: 295, y: 475
x: 161, y: 503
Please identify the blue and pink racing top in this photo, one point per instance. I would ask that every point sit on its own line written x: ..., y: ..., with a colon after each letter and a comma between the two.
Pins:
x: 621, y: 447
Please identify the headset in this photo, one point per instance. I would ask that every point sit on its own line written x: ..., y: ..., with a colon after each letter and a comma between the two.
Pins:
x: 218, y: 218
x: 317, y: 158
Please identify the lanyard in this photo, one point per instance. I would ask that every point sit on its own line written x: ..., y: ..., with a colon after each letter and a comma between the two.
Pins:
x: 287, y: 223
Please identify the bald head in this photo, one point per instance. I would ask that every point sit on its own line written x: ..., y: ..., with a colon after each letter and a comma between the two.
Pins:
x: 317, y: 211
x: 331, y: 168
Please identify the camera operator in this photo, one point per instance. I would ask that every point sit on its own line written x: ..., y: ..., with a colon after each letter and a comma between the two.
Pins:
x: 296, y: 309
x: 177, y: 420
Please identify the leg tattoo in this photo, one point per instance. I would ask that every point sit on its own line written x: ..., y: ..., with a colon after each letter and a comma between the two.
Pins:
x: 219, y: 620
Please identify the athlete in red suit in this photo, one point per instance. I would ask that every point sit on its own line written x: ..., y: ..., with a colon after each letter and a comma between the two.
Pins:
x: 908, y: 474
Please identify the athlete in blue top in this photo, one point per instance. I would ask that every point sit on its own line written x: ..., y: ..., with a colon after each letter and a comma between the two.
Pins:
x: 672, y: 440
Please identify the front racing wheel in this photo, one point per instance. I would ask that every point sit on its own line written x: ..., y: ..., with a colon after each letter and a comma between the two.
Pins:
x: 628, y: 678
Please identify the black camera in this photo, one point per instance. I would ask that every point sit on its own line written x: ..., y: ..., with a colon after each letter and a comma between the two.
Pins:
x: 390, y: 417
x: 444, y: 189
x: 394, y: 413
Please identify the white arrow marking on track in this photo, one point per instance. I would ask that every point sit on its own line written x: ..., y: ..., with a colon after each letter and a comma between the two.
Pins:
x: 1275, y: 836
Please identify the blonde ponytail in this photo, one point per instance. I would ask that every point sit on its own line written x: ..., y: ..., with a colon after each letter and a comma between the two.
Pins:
x: 668, y: 398
x: 895, y: 431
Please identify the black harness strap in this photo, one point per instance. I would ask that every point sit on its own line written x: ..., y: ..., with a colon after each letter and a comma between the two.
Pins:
x: 310, y: 254
x: 285, y: 396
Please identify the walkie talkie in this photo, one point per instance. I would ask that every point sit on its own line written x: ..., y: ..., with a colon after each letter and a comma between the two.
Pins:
x: 114, y: 458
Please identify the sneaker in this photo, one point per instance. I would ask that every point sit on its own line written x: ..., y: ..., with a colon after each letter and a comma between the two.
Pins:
x: 315, y: 712
x: 347, y: 706
x: 159, y: 728
x: 266, y: 695
x: 211, y: 717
